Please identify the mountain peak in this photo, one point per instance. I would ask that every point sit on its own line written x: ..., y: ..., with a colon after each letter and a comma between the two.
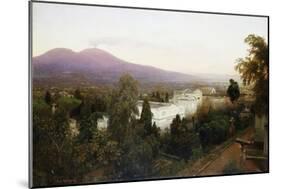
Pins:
x: 59, y: 51
x: 99, y: 55
x: 93, y: 50
x: 97, y: 65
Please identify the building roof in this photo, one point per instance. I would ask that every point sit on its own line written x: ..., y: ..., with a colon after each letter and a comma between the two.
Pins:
x: 208, y: 90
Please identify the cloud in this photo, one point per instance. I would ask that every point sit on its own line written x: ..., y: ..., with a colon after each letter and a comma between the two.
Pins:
x: 108, y: 41
x: 119, y: 41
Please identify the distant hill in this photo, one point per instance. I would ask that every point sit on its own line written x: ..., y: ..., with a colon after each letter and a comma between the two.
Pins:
x: 95, y: 66
x: 210, y: 78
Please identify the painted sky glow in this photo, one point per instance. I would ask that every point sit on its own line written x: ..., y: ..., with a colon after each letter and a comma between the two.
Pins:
x: 183, y: 42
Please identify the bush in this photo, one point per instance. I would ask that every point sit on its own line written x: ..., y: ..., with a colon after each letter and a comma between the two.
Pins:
x: 214, y: 130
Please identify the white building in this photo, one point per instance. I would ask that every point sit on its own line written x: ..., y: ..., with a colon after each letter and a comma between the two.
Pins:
x: 190, y: 100
x: 163, y: 113
x: 208, y: 90
x: 184, y: 103
x: 102, y: 122
x: 73, y: 127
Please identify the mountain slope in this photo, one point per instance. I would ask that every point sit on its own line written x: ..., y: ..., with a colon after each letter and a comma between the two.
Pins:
x: 95, y: 66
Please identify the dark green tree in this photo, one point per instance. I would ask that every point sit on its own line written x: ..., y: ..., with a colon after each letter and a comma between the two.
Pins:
x: 176, y: 126
x: 182, y: 140
x: 155, y: 130
x: 233, y: 91
x: 88, y: 127
x: 158, y: 96
x: 77, y: 94
x: 48, y: 98
x: 68, y: 104
x: 214, y: 130
x: 167, y: 97
x: 146, y: 117
x: 179, y: 141
x: 136, y: 159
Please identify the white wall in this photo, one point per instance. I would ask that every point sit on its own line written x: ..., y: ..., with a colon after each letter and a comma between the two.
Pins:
x: 164, y: 115
x: 14, y: 105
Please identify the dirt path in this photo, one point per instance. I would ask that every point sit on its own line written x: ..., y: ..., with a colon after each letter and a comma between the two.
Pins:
x: 215, y: 162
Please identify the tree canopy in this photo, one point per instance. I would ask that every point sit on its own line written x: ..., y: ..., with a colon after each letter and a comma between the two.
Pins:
x: 254, y: 70
x: 123, y: 106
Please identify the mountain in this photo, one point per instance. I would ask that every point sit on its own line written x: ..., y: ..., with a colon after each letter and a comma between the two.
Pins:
x: 94, y: 65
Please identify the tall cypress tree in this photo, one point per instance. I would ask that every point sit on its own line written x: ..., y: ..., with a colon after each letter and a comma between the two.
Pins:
x: 146, y: 117
x: 167, y: 97
x: 48, y: 98
x: 233, y: 91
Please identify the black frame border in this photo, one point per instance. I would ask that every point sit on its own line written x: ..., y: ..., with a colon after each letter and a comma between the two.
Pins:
x: 30, y: 48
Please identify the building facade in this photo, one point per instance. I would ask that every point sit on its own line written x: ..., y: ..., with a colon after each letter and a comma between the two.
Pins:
x: 184, y: 103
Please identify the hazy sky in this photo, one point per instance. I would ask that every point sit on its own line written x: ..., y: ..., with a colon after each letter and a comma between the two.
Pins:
x: 183, y: 42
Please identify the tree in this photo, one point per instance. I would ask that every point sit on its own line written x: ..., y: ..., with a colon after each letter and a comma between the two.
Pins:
x: 68, y: 104
x: 176, y: 126
x: 233, y: 91
x: 155, y: 130
x: 123, y: 107
x: 136, y: 159
x: 42, y: 144
x: 55, y: 146
x: 77, y: 94
x: 214, y: 129
x: 182, y: 140
x: 254, y: 70
x: 88, y: 126
x: 146, y: 117
x: 158, y: 96
x: 48, y: 98
x: 167, y: 97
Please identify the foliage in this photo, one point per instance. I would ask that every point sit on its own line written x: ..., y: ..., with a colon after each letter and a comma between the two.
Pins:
x: 94, y: 100
x: 166, y: 97
x: 77, y: 94
x: 51, y: 143
x: 233, y: 91
x: 182, y: 140
x: 155, y: 130
x: 135, y: 160
x: 254, y: 70
x: 41, y: 142
x: 146, y: 120
x: 68, y: 103
x: 197, y: 153
x: 88, y: 126
x: 99, y: 150
x: 214, y: 130
x: 48, y: 98
x: 159, y: 95
x: 123, y: 107
x: 146, y: 117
